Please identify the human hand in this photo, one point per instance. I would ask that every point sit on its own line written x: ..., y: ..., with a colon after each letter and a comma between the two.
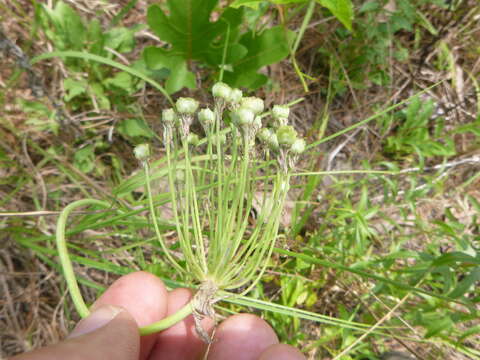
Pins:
x: 140, y: 298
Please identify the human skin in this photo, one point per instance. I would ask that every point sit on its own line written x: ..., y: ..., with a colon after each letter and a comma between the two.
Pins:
x: 140, y: 298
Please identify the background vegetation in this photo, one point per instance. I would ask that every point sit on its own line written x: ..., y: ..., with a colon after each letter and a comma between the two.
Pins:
x: 365, y: 263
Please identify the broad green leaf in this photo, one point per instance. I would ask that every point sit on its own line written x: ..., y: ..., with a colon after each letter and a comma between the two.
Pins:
x: 187, y: 28
x: 180, y: 77
x: 192, y: 36
x: 341, y: 9
x: 269, y: 47
x: 157, y: 58
x: 134, y: 128
x: 235, y: 52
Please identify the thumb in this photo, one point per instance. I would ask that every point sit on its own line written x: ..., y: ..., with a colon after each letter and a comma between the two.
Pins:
x: 109, y: 332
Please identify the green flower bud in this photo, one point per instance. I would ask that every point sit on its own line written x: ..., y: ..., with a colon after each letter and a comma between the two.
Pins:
x: 169, y: 116
x: 298, y: 146
x: 193, y: 139
x: 286, y: 135
x: 235, y: 96
x: 206, y: 116
x: 280, y: 112
x: 186, y: 105
x: 253, y: 103
x: 265, y: 134
x: 142, y: 152
x: 243, y: 116
x: 272, y: 142
x: 221, y: 90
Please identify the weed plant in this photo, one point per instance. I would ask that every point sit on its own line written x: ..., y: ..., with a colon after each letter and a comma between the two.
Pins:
x: 214, y: 183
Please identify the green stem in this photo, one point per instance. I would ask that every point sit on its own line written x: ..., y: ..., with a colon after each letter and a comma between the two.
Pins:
x: 301, y: 32
x: 154, y: 219
x: 167, y: 322
x: 71, y: 280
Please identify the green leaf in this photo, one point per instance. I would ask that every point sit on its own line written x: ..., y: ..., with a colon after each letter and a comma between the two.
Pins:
x: 253, y: 4
x: 70, y: 29
x: 121, y: 80
x: 74, y: 88
x: 188, y: 28
x: 437, y: 325
x: 84, y: 159
x: 455, y: 257
x: 466, y: 284
x: 192, y: 36
x: 287, y: 1
x: 179, y: 78
x: 121, y: 39
x: 269, y: 47
x: 134, y: 127
x: 341, y: 9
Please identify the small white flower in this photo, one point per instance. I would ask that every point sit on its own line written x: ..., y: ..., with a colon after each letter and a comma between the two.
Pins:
x: 221, y: 90
x: 142, y: 152
x: 265, y: 134
x: 280, y: 112
x: 243, y: 116
x: 206, y: 117
x: 186, y: 105
x: 168, y: 116
x: 253, y: 103
x: 298, y: 146
x: 235, y: 96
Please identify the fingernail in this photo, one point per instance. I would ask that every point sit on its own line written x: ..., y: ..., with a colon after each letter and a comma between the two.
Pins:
x: 98, y: 318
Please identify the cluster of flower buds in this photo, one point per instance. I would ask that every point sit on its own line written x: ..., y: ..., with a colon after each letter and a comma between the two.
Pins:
x: 282, y: 139
x: 246, y: 117
x: 224, y: 94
